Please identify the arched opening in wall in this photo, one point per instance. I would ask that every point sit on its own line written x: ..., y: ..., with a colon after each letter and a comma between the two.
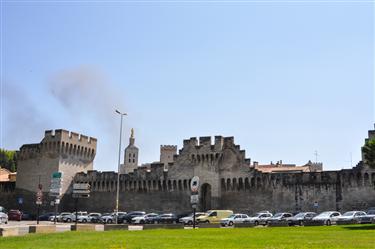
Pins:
x: 179, y: 185
x: 366, y: 179
x: 112, y: 186
x: 247, y: 184
x: 193, y: 157
x: 205, y: 199
x: 198, y: 158
x: 351, y: 179
x: 185, y: 185
x: 164, y: 185
x: 373, y: 179
x: 259, y: 182
x: 359, y: 179
x: 228, y: 185
x: 212, y: 157
x: 223, y: 184
x: 153, y: 184
x: 234, y: 184
x: 140, y: 187
x: 99, y: 186
x: 252, y: 182
x: 174, y: 185
x: 149, y: 184
x: 144, y: 186
x: 169, y: 185
x: 240, y: 184
x: 94, y: 186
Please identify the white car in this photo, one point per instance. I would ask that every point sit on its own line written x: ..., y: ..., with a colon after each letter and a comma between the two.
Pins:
x: 188, y: 220
x: 351, y: 216
x: 235, y: 219
x: 72, y: 216
x: 327, y: 218
x: 144, y: 218
x: 59, y: 217
x: 89, y: 217
x: 3, y: 218
x: 260, y: 218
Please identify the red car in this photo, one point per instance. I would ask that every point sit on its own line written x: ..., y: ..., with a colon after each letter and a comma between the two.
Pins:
x: 15, y: 215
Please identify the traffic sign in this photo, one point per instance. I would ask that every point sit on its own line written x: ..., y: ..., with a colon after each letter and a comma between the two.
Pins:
x: 194, y: 199
x: 82, y: 186
x: 80, y: 195
x: 194, y: 185
x: 81, y: 191
x: 57, y: 175
x: 20, y: 200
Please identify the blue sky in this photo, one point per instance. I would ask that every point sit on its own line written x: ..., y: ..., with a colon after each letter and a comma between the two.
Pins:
x: 285, y: 79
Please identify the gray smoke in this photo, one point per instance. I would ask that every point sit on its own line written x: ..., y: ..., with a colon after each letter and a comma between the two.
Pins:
x: 21, y: 119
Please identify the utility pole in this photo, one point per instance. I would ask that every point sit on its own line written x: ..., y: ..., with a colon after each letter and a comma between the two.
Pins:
x: 118, y: 167
x: 316, y: 156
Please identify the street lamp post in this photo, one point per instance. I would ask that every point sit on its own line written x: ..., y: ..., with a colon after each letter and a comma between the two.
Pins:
x: 118, y: 169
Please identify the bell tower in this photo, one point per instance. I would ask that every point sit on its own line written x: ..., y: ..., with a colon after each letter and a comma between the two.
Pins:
x: 130, y: 156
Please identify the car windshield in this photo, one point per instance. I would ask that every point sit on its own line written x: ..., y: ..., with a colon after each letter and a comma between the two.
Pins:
x: 278, y: 215
x: 324, y: 214
x: 232, y: 216
x: 300, y: 215
x: 371, y: 212
x: 348, y: 214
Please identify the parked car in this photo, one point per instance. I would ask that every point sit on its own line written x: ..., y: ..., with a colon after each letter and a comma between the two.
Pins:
x: 327, y: 218
x: 260, y: 218
x: 188, y: 220
x: 46, y: 216
x: 166, y: 218
x: 147, y: 218
x: 28, y: 216
x: 128, y: 218
x: 277, y: 218
x: 214, y: 216
x: 301, y: 218
x: 3, y: 218
x: 107, y: 218
x: 235, y: 219
x: 59, y: 217
x: 3, y: 210
x: 368, y: 218
x: 351, y: 216
x: 91, y: 217
x: 15, y: 215
x: 72, y: 217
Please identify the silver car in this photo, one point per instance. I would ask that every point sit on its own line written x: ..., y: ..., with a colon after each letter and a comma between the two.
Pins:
x: 3, y: 218
x: 327, y: 218
x: 235, y: 219
x: 351, y: 216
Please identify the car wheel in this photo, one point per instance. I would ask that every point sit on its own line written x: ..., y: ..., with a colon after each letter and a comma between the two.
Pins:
x: 207, y: 221
x: 256, y: 223
x: 230, y: 223
x: 301, y: 223
x: 110, y: 221
x: 190, y: 223
x: 84, y: 220
x: 142, y: 222
x: 68, y: 220
x: 155, y: 222
x: 328, y: 222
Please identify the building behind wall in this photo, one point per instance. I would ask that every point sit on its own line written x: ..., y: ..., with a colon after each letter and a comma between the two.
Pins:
x: 130, y: 156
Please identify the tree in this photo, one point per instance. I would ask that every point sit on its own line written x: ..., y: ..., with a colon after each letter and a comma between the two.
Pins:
x: 8, y: 160
x: 368, y: 151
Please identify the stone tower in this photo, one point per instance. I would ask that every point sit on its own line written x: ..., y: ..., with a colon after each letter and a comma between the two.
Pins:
x: 131, y: 156
x: 59, y: 151
x: 167, y: 152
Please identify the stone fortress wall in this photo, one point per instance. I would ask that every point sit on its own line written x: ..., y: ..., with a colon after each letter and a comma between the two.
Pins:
x: 228, y: 181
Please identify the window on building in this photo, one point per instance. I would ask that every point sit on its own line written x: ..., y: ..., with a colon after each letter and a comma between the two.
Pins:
x: 130, y: 160
x: 133, y: 160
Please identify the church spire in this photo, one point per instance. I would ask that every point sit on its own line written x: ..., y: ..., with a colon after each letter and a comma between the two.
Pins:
x: 132, y: 139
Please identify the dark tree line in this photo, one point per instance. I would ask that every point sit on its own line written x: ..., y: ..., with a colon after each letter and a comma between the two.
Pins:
x: 8, y: 160
x: 369, y: 152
